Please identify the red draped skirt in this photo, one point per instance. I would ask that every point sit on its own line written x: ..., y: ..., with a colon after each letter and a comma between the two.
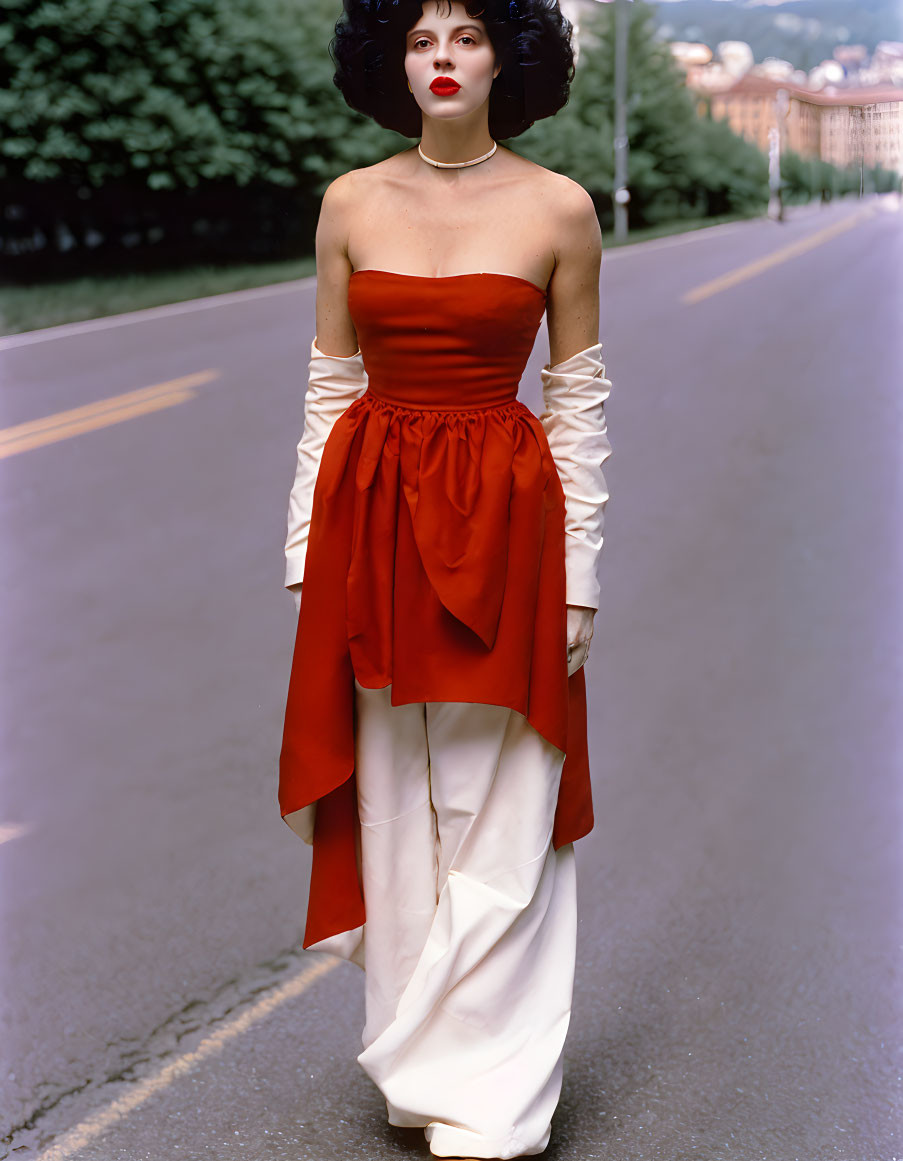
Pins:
x: 435, y: 563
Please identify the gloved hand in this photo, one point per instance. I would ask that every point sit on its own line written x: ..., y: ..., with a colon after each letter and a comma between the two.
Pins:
x: 573, y: 418
x: 334, y: 382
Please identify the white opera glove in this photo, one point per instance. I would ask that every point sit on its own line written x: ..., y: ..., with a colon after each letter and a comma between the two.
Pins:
x: 334, y: 382
x: 574, y: 393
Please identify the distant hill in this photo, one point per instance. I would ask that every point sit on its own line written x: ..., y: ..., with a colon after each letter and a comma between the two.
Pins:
x: 801, y: 31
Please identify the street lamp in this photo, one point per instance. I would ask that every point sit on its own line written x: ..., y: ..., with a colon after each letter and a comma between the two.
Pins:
x: 621, y: 193
x: 775, y: 134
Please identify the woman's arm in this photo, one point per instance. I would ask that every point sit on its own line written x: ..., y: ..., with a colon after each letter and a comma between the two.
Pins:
x: 335, y: 331
x: 574, y: 389
x: 572, y: 306
x: 335, y: 380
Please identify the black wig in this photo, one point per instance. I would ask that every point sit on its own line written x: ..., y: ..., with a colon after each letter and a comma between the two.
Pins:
x: 531, y: 39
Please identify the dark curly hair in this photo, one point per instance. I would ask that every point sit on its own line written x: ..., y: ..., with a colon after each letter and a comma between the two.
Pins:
x: 531, y: 39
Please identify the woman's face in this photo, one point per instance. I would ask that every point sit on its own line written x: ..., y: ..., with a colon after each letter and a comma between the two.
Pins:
x: 452, y: 45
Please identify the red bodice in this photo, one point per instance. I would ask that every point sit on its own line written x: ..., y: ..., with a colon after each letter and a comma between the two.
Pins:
x: 435, y: 559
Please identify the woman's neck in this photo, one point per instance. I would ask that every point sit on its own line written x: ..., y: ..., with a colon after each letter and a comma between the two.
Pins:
x: 453, y: 141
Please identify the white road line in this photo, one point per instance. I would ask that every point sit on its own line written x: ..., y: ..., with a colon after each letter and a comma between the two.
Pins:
x: 111, y: 1116
x: 229, y: 298
x: 64, y: 330
x: 609, y: 254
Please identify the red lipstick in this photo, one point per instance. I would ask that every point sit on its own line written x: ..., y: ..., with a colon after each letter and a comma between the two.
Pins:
x: 444, y: 86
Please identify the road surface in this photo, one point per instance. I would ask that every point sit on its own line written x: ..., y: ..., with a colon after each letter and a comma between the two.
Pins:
x: 738, y: 986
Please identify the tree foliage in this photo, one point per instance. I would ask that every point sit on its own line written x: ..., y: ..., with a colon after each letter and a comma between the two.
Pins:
x: 212, y: 127
x: 173, y: 93
x: 680, y: 164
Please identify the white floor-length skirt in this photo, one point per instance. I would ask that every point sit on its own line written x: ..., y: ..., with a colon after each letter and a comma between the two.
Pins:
x: 470, y: 937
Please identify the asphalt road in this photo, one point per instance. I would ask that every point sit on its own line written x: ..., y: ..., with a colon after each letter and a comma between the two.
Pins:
x: 738, y: 985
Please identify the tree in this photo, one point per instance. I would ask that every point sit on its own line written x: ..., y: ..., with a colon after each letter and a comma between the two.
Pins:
x: 130, y: 116
x: 681, y: 165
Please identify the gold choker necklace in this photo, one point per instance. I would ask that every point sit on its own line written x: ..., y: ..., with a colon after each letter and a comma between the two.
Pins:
x: 458, y: 164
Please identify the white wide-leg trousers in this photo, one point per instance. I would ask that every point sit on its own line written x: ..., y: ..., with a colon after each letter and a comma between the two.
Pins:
x: 470, y: 936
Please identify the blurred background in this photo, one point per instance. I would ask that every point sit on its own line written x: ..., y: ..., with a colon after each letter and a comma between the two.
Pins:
x: 739, y: 980
x: 154, y: 152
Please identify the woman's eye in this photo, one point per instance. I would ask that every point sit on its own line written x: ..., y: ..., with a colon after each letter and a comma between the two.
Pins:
x: 417, y: 43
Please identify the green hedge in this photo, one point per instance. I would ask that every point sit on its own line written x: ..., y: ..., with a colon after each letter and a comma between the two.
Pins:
x: 170, y: 131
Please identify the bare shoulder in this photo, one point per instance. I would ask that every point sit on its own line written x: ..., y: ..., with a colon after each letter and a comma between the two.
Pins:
x: 336, y: 205
x: 347, y: 192
x: 370, y: 179
x: 575, y: 224
x: 574, y: 205
x: 344, y: 204
x: 549, y: 182
x: 565, y: 204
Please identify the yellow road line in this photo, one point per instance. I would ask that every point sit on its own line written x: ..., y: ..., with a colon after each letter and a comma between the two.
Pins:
x: 111, y: 1116
x: 105, y: 419
x: 793, y: 250
x: 12, y: 830
x: 103, y: 412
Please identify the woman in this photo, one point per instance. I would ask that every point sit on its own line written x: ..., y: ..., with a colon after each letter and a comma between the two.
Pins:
x: 434, y: 750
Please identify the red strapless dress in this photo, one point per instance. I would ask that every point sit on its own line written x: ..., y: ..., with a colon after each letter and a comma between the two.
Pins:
x: 435, y: 558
